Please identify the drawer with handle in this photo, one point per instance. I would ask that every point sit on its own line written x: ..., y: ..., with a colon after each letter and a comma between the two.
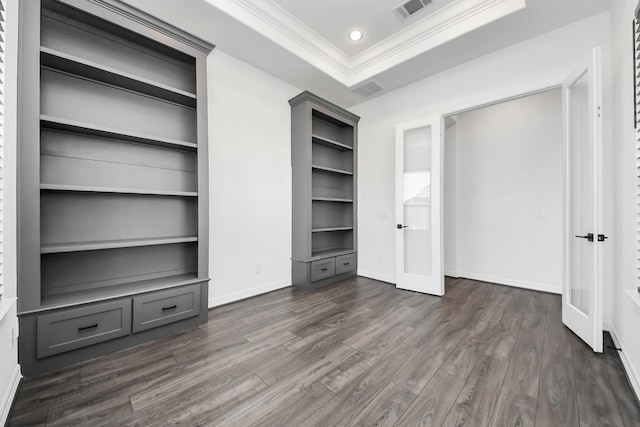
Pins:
x: 164, y: 307
x: 345, y: 264
x: 323, y: 269
x: 72, y: 329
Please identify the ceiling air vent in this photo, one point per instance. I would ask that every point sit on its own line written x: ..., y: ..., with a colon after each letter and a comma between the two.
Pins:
x: 409, y: 8
x: 367, y: 89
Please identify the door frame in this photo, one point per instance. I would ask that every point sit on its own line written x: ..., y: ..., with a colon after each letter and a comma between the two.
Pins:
x: 507, y: 96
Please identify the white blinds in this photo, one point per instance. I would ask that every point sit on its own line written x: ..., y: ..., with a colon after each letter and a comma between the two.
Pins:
x: 636, y: 54
x: 3, y: 21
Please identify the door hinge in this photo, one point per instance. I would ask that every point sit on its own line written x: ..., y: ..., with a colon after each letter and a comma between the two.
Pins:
x: 599, y: 111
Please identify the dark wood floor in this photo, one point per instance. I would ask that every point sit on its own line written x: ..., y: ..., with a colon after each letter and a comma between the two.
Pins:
x: 360, y: 353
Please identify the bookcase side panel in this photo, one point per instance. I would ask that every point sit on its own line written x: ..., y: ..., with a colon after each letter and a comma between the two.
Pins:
x: 28, y: 157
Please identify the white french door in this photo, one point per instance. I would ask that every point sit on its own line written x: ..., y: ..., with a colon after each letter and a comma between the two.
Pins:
x: 419, y: 206
x: 584, y: 241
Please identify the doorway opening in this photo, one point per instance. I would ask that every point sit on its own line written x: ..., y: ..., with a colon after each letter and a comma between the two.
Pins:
x: 503, y: 192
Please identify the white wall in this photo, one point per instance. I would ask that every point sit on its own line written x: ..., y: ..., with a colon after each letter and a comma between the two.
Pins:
x: 626, y: 318
x: 250, y: 180
x: 9, y: 368
x: 539, y: 62
x: 508, y: 193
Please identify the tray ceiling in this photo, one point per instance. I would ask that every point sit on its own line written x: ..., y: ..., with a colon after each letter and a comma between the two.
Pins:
x: 317, y: 31
x: 305, y: 43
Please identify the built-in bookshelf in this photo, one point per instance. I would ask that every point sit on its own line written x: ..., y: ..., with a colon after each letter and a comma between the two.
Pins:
x: 323, y: 147
x: 114, y: 175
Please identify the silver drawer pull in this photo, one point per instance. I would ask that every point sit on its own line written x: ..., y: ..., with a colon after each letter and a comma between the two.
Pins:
x: 171, y: 307
x: 346, y: 263
x: 323, y: 269
x: 84, y: 328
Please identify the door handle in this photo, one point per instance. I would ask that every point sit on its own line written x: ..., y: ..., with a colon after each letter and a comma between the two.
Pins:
x: 84, y: 328
x: 602, y: 237
x: 588, y: 236
x: 400, y: 226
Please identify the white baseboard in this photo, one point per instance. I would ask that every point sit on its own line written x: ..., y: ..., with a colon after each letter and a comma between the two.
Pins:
x: 10, y: 394
x: 543, y: 287
x: 377, y: 276
x: 485, y: 278
x: 247, y: 293
x: 632, y: 372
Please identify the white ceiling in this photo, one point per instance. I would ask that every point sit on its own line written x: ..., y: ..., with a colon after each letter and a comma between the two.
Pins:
x: 375, y: 19
x: 304, y: 43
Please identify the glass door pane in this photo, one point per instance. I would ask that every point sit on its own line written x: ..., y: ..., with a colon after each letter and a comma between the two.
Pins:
x: 416, y: 181
x: 582, y: 195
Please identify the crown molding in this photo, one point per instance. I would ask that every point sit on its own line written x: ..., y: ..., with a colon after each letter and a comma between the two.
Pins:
x: 117, y: 9
x: 276, y: 24
x: 311, y: 97
x: 446, y: 23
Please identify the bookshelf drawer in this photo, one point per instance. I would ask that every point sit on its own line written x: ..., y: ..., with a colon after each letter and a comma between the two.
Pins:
x: 72, y: 329
x: 323, y: 269
x: 345, y: 264
x: 164, y: 307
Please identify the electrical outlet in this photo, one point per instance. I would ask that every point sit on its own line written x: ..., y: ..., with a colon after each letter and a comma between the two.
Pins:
x: 258, y: 268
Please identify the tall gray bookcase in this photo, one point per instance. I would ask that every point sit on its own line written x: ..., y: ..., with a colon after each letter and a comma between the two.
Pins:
x: 324, y: 147
x: 113, y: 180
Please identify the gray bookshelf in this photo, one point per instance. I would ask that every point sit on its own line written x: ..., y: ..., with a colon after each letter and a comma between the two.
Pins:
x: 113, y: 232
x: 324, y: 150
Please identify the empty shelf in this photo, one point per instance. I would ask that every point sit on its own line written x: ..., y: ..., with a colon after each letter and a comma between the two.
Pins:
x: 330, y: 143
x: 90, y: 189
x: 129, y: 288
x: 331, y: 199
x: 331, y: 170
x: 113, y: 244
x: 326, y: 229
x: 81, y: 67
x: 106, y: 132
x: 330, y: 252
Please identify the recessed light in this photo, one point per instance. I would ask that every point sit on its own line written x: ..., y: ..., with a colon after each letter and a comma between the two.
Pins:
x: 355, y: 35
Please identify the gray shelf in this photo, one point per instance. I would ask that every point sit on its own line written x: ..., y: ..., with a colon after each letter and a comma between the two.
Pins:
x: 330, y: 143
x: 113, y: 244
x: 114, y: 177
x: 58, y: 123
x: 331, y: 199
x: 329, y: 229
x: 330, y: 170
x: 324, y: 141
x: 331, y: 252
x: 51, y: 302
x: 92, y: 189
x: 81, y: 67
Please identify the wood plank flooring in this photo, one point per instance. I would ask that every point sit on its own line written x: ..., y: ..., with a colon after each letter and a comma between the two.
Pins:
x: 359, y: 353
